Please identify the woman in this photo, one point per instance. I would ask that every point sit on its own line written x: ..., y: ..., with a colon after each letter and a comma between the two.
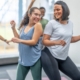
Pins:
x: 29, y: 45
x: 43, y: 10
x: 57, y: 38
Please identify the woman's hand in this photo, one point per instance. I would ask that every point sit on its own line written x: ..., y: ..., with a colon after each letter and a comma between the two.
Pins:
x: 16, y: 40
x: 60, y: 42
x: 13, y: 24
x: 6, y: 41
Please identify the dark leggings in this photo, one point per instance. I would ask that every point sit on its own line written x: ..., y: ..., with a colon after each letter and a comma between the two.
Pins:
x: 36, y: 69
x: 52, y: 66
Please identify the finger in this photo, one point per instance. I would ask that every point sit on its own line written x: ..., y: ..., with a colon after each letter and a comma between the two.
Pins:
x: 63, y: 43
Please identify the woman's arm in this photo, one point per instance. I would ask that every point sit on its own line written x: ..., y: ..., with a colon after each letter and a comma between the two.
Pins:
x: 38, y: 31
x: 48, y: 42
x: 13, y: 29
x: 3, y: 39
x: 75, y: 39
x: 32, y: 2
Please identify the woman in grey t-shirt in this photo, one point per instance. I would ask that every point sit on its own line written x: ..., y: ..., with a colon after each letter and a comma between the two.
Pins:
x: 57, y: 38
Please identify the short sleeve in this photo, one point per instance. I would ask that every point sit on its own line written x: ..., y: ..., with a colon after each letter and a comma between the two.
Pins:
x: 48, y: 29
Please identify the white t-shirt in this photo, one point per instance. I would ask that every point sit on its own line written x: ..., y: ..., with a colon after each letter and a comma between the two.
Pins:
x: 59, y: 31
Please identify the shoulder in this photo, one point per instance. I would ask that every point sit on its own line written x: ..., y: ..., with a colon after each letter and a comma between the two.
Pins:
x: 52, y: 22
x: 38, y: 24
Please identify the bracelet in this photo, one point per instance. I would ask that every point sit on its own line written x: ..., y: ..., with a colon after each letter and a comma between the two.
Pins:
x: 5, y: 40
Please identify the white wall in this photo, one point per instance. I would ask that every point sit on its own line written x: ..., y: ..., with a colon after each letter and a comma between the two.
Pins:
x: 74, y: 51
x: 37, y: 3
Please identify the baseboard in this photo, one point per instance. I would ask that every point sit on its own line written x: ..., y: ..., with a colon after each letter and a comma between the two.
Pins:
x: 9, y: 58
x: 78, y: 65
x: 13, y: 58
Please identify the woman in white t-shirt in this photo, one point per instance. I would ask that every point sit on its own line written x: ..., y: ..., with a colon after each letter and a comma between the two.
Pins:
x: 57, y: 38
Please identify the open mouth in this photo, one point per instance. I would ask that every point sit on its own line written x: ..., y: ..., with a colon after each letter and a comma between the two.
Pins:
x: 36, y: 19
x: 57, y: 15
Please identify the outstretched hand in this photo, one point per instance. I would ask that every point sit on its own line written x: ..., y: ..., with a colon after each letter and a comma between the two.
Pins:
x: 60, y: 42
x: 8, y: 41
x: 16, y: 40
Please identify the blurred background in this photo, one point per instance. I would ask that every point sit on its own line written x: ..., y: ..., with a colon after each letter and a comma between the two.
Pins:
x: 15, y: 10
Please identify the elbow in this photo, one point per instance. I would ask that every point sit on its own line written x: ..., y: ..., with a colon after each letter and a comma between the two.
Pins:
x: 33, y: 43
x: 17, y: 36
x: 44, y: 43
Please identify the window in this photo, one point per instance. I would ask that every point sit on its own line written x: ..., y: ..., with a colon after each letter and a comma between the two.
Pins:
x: 10, y: 10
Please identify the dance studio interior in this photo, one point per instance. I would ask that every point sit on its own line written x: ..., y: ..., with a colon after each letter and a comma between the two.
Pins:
x: 15, y: 10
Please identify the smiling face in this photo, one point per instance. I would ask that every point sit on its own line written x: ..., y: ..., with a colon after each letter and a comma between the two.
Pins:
x: 35, y: 16
x: 58, y: 12
x: 42, y: 12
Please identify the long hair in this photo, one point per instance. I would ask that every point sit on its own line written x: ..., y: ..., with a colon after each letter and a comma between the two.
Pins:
x: 25, y: 20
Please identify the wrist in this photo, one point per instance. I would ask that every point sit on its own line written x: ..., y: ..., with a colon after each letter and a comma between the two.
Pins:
x: 21, y: 41
x: 54, y: 42
x: 5, y: 40
x: 13, y: 28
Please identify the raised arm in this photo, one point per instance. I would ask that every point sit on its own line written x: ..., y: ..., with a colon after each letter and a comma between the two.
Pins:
x: 31, y: 4
x: 13, y: 29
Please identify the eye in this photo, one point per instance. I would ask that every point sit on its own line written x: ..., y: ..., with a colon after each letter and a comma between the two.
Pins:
x: 36, y: 14
x: 58, y: 9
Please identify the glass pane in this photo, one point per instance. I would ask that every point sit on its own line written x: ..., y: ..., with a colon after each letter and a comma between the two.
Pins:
x: 8, y: 12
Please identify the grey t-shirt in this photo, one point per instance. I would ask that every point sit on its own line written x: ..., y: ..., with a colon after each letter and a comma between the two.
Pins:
x: 59, y: 31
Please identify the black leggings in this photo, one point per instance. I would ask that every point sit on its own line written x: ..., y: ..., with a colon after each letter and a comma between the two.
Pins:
x: 52, y: 66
